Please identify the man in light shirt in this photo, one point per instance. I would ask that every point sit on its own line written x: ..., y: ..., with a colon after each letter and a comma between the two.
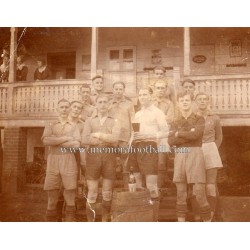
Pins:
x: 153, y: 127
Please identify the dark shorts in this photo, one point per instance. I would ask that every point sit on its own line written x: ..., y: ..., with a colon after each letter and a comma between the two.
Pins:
x: 100, y: 164
x: 144, y: 162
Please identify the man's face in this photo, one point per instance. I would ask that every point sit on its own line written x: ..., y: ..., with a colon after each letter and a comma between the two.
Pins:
x: 63, y: 109
x: 144, y: 97
x: 5, y: 60
x: 202, y: 102
x: 39, y: 64
x: 160, y: 89
x: 102, y: 104
x: 98, y: 84
x: 159, y: 73
x: 185, y: 103
x: 85, y: 93
x: 189, y: 87
x: 118, y: 90
x: 75, y: 109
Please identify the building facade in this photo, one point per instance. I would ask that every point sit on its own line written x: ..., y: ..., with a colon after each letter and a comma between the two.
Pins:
x: 217, y: 59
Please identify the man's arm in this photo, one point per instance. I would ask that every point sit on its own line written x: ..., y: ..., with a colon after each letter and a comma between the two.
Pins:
x: 195, y: 133
x: 218, y: 132
x: 172, y: 138
x: 86, y: 138
x: 49, y: 139
x: 110, y: 138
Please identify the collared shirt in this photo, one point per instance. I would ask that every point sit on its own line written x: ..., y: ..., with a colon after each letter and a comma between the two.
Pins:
x: 152, y: 120
x: 190, y: 131
x: 59, y: 129
x: 109, y: 127
x: 123, y: 110
x: 87, y: 111
x: 213, y: 130
x: 166, y: 106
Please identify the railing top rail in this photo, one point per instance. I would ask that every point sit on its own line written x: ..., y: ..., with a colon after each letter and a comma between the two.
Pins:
x: 220, y: 77
x: 45, y: 83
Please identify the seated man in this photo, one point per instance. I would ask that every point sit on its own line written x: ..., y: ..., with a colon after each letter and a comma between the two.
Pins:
x: 61, y: 164
x: 189, y: 166
x: 101, y: 134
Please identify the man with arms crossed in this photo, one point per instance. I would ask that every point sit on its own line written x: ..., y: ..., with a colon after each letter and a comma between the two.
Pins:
x: 61, y: 164
x: 189, y: 167
x: 101, y: 133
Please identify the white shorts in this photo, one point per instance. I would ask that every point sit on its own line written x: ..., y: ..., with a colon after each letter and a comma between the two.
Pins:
x: 211, y: 155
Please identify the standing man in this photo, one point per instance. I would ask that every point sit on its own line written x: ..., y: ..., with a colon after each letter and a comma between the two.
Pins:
x: 122, y: 109
x: 189, y: 166
x: 74, y: 118
x: 167, y: 107
x: 160, y: 74
x: 61, y: 164
x: 101, y: 134
x: 97, y: 88
x: 153, y: 127
x: 88, y: 109
x: 211, y: 141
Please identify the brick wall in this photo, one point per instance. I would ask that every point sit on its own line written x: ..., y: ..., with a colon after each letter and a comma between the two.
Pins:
x: 14, y: 159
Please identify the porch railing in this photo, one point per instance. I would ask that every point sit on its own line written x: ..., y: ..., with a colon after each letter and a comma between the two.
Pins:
x: 229, y: 95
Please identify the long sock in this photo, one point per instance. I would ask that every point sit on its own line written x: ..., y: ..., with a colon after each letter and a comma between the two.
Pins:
x: 91, y: 211
x: 70, y: 213
x: 106, y: 206
x: 156, y: 205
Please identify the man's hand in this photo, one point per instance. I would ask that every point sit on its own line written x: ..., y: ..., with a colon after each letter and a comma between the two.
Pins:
x: 96, y: 135
x: 143, y: 136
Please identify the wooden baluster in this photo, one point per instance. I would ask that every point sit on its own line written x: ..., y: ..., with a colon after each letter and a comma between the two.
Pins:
x: 1, y: 100
x: 247, y: 86
x: 216, y: 93
x: 223, y: 101
x: 49, y: 99
x: 241, y: 102
x: 229, y: 95
x: 235, y: 95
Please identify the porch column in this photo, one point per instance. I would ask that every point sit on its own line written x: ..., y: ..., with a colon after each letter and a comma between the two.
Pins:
x: 13, y: 46
x: 14, y: 159
x: 186, y: 51
x: 94, y: 51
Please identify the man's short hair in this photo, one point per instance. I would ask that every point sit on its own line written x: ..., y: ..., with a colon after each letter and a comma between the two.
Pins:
x: 86, y: 86
x: 187, y: 80
x: 183, y: 93
x: 119, y: 82
x: 76, y: 101
x: 63, y: 100
x: 202, y: 93
x: 96, y: 77
x: 150, y: 91
x: 159, y: 67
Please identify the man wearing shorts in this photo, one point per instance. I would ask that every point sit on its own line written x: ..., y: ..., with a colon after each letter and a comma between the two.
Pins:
x: 122, y: 109
x: 101, y: 133
x: 61, y: 163
x: 211, y: 141
x: 189, y: 167
x: 153, y: 127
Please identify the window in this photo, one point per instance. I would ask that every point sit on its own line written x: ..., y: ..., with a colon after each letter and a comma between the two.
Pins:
x: 121, y: 59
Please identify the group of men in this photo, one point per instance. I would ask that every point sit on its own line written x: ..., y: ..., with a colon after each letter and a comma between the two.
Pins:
x: 167, y: 117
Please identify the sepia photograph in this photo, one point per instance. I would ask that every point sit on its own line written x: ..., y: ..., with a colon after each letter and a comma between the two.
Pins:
x: 125, y: 124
